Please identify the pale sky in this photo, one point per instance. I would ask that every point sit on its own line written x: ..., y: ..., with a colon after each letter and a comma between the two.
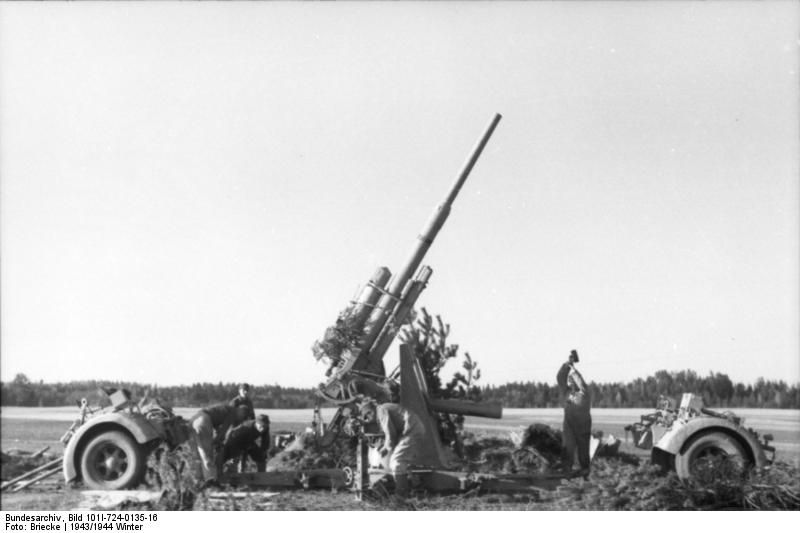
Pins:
x: 193, y: 191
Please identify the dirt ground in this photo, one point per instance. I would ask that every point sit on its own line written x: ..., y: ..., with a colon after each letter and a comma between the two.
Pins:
x: 52, y: 494
x: 31, y: 433
x: 69, y: 499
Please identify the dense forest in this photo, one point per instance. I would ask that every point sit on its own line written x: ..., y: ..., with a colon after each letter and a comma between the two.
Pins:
x: 717, y: 390
x: 22, y: 391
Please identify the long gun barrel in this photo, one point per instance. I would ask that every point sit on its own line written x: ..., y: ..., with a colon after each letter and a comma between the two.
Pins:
x: 437, y: 220
x: 393, y: 294
x: 398, y: 296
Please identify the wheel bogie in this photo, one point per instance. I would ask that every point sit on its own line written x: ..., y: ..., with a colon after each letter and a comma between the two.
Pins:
x: 112, y: 460
x: 707, y: 448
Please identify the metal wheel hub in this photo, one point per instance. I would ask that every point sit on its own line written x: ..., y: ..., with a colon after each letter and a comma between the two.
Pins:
x: 111, y: 462
x: 711, y: 452
x: 709, y: 457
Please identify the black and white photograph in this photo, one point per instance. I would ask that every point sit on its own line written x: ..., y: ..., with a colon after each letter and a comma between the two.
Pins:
x: 398, y: 256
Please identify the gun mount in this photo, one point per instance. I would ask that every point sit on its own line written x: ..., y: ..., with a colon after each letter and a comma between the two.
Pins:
x: 356, y: 345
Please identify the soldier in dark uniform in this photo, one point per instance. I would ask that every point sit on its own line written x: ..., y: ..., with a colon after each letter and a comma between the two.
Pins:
x: 244, y: 399
x: 577, y: 430
x: 249, y: 439
x: 209, y: 428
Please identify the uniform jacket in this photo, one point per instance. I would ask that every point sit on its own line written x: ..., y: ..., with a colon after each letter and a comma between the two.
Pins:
x: 243, y: 436
x: 573, y: 387
x: 247, y: 402
x: 222, y: 416
x: 398, y: 423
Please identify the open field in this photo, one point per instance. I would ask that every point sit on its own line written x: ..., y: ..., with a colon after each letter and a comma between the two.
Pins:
x: 33, y: 428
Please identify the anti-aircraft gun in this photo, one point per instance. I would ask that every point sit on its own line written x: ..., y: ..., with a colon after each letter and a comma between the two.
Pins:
x: 356, y: 345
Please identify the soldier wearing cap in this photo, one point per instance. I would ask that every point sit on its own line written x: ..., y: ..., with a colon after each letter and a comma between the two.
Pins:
x: 577, y: 429
x: 248, y: 439
x: 209, y: 429
x: 243, y: 398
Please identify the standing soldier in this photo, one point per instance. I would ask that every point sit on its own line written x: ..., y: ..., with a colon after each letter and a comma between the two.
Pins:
x: 577, y: 431
x: 250, y: 438
x: 209, y: 428
x: 404, y: 435
x: 243, y: 398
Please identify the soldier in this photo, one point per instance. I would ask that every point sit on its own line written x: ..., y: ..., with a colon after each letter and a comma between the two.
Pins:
x: 209, y: 428
x: 577, y: 430
x: 250, y: 438
x: 243, y: 398
x: 404, y: 434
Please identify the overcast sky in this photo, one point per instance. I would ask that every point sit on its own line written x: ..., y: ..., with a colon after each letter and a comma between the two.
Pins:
x: 192, y: 192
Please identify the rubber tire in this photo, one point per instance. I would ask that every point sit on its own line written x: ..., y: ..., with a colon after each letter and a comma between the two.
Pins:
x: 349, y: 477
x: 125, y: 448
x: 698, y: 445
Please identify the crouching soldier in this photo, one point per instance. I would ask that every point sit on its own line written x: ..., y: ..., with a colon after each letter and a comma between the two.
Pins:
x: 209, y: 428
x: 404, y: 435
x: 248, y: 439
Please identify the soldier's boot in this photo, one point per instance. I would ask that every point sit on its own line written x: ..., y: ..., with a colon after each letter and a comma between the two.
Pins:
x: 218, y: 468
x: 401, y: 485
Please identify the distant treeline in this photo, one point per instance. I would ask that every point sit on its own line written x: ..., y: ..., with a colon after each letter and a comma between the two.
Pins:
x: 717, y: 390
x: 23, y: 392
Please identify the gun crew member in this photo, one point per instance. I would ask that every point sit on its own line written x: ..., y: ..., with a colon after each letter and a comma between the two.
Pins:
x: 577, y: 430
x: 209, y: 428
x: 403, y: 437
x: 248, y: 439
x: 243, y: 398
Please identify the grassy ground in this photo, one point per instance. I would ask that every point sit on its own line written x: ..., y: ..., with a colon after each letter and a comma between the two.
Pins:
x: 611, y: 485
x: 41, y: 498
x: 31, y: 435
x: 32, y: 428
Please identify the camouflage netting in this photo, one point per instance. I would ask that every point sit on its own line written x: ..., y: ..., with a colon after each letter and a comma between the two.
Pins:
x: 546, y: 441
x: 342, y: 337
x: 177, y: 473
x: 537, y: 450
x: 304, y: 453
x: 499, y: 455
x: 540, y: 448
